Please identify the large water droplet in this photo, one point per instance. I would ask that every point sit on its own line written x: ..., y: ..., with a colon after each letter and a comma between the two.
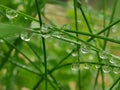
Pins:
x: 116, y: 70
x: 106, y: 69
x: 46, y: 31
x: 26, y: 36
x: 84, y: 48
x: 11, y: 14
x: 75, y: 66
x: 103, y: 55
x: 87, y: 66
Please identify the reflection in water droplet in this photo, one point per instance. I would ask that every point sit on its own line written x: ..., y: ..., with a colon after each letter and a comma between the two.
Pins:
x: 103, y: 55
x: 66, y: 26
x: 74, y: 54
x: 75, y: 66
x: 26, y: 36
x: 97, y: 66
x: 46, y: 31
x: 112, y: 60
x: 1, y: 41
x: 86, y: 66
x: 106, y: 69
x: 11, y: 14
x: 84, y: 48
x: 116, y: 70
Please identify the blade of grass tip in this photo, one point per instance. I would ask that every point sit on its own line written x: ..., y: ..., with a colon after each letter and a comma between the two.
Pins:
x: 114, y: 83
x: 43, y: 42
x: 111, y: 19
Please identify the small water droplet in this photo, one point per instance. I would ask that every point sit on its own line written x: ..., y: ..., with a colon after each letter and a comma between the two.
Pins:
x: 26, y: 36
x: 46, y: 32
x: 66, y: 26
x: 75, y: 66
x: 103, y: 55
x: 116, y: 70
x: 11, y: 14
x: 106, y: 69
x: 86, y: 66
x: 84, y: 48
x: 74, y: 54
x: 97, y: 66
x: 112, y: 60
x: 1, y: 40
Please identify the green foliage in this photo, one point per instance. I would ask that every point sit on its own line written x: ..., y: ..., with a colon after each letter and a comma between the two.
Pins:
x: 59, y: 45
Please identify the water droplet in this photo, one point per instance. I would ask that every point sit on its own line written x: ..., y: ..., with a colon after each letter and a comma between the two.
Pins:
x: 116, y: 70
x: 84, y: 48
x: 11, y: 14
x: 1, y: 40
x: 106, y: 69
x: 86, y: 66
x: 103, y: 55
x: 74, y: 54
x: 46, y: 31
x: 75, y: 66
x: 97, y: 66
x: 112, y: 60
x: 66, y: 26
x: 26, y: 36
x: 114, y: 29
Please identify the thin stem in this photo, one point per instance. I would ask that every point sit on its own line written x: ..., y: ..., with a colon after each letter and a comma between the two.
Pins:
x: 43, y: 43
x: 95, y: 84
x: 111, y: 19
x: 114, y: 83
x: 84, y: 16
x: 76, y: 27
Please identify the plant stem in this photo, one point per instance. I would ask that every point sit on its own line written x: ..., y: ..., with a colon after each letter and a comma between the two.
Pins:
x: 114, y: 83
x: 43, y: 43
x: 76, y: 27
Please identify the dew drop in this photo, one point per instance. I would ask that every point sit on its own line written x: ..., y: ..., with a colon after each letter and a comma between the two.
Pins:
x: 116, y: 70
x: 11, y: 14
x: 74, y: 54
x: 46, y: 32
x: 112, y: 60
x: 106, y: 69
x: 1, y: 40
x: 86, y: 66
x: 75, y: 66
x: 25, y: 36
x: 103, y: 55
x: 97, y: 66
x: 84, y: 48
x: 66, y: 26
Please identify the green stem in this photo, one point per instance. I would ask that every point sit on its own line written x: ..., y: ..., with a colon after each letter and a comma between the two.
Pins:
x: 114, y: 83
x: 111, y: 19
x: 76, y: 27
x: 84, y: 16
x: 43, y: 43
